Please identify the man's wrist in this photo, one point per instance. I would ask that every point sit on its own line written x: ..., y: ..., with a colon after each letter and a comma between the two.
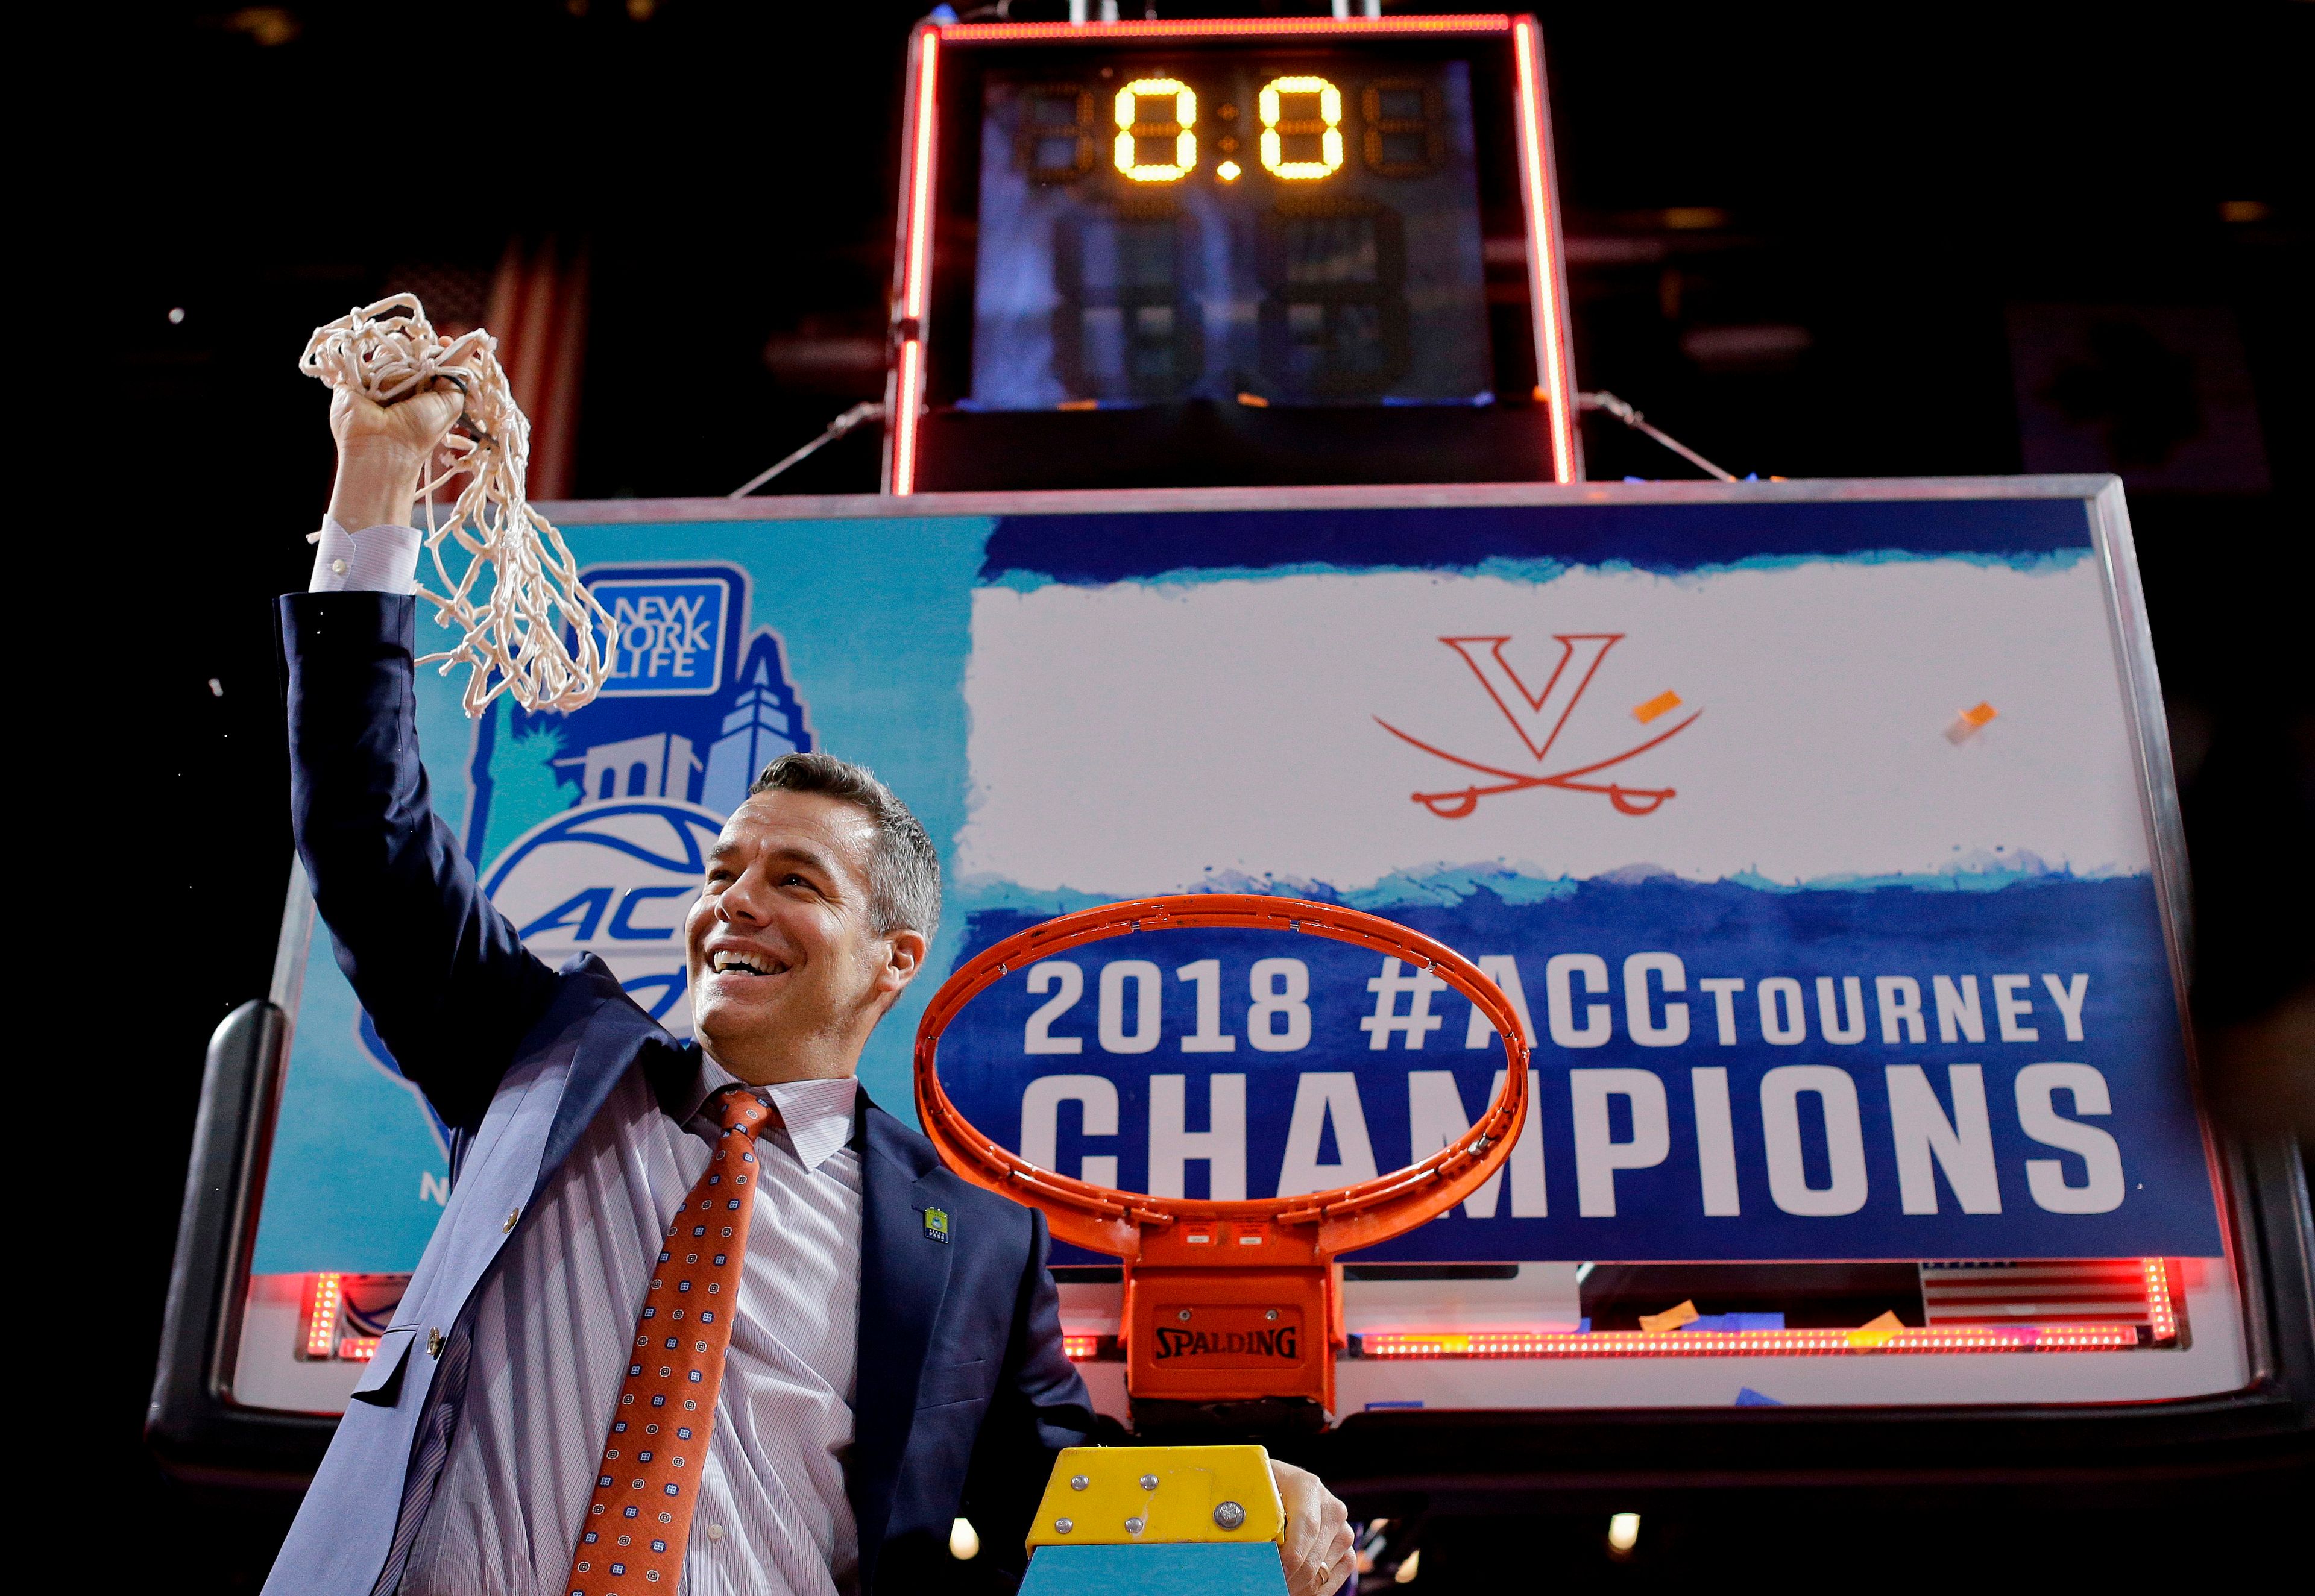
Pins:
x: 377, y: 483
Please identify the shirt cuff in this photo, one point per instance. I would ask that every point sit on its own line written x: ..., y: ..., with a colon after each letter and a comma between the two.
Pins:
x: 376, y: 559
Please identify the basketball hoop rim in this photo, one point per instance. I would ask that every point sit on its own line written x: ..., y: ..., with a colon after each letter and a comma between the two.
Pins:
x: 1109, y: 1219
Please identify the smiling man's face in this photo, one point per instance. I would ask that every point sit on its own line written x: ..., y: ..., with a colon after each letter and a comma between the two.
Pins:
x: 789, y: 969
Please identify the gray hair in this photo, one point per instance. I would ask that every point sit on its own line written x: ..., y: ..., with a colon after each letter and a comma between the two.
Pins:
x: 904, y: 885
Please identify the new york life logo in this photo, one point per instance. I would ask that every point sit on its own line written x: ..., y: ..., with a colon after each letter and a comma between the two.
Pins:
x: 667, y: 633
x: 1537, y: 716
x: 591, y: 830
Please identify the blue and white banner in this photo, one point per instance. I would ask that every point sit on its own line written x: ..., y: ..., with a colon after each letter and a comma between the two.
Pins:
x: 1808, y: 837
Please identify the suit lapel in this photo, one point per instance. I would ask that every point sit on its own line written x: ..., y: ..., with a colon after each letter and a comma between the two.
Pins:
x: 904, y: 1276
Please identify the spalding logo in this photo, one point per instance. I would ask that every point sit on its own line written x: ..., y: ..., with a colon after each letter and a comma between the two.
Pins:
x: 1244, y: 1344
x: 614, y: 880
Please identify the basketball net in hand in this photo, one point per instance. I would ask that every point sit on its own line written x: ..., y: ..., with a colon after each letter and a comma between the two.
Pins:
x: 533, y: 626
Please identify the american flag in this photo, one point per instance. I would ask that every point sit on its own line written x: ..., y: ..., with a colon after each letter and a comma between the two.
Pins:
x: 2075, y: 1291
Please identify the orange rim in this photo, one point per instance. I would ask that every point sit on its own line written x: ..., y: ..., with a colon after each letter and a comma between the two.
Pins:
x: 1111, y: 1220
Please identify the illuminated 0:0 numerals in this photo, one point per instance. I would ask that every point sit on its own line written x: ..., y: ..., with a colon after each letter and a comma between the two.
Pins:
x: 1277, y: 128
x: 1175, y: 131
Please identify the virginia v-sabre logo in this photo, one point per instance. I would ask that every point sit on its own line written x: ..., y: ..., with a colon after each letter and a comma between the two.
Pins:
x: 1537, y: 716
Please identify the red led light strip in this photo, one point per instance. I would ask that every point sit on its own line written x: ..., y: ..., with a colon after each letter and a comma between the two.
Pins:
x: 908, y: 385
x: 2160, y: 1314
x: 2162, y: 1320
x: 1543, y: 274
x: 1217, y: 28
x: 324, y: 1297
x: 1750, y: 1344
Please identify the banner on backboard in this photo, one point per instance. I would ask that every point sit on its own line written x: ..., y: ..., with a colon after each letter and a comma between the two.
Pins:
x: 1809, y: 836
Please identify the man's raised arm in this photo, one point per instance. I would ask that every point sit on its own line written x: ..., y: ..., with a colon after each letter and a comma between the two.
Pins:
x: 442, y: 974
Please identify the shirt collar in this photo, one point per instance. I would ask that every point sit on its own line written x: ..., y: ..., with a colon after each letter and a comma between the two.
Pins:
x: 817, y: 1114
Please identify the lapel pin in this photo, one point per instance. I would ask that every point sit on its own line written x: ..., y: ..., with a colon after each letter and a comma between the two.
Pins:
x: 937, y: 1225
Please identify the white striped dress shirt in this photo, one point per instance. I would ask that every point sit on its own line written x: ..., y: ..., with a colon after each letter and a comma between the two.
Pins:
x: 552, y: 1330
x: 551, y: 1333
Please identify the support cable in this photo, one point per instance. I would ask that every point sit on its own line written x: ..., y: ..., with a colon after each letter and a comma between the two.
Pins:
x: 867, y: 410
x: 1631, y: 417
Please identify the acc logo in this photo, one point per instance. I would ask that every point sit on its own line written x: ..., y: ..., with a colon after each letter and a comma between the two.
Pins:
x: 1537, y: 718
x: 614, y: 880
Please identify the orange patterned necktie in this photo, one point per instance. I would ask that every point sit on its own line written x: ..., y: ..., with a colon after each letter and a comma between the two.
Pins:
x: 639, y: 1518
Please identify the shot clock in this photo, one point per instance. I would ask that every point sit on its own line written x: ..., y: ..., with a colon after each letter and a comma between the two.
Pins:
x: 1256, y: 251
x: 1243, y: 230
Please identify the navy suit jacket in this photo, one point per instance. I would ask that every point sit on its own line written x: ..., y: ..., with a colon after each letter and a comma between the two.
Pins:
x: 963, y: 1392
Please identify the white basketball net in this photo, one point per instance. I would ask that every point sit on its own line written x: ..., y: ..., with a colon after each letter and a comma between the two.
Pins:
x: 524, y: 630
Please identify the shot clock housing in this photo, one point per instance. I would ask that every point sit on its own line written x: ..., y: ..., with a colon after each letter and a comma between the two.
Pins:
x: 1228, y: 253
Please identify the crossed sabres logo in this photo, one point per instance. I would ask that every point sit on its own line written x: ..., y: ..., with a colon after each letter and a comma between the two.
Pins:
x: 1538, y: 718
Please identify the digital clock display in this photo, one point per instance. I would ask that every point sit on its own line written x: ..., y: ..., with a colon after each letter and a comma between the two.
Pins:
x: 1227, y: 252
x: 1303, y: 230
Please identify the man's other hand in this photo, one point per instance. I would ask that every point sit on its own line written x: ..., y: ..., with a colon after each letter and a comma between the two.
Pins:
x: 1318, y: 1549
x: 381, y: 450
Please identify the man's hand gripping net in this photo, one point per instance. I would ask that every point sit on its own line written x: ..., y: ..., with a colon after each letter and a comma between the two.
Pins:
x: 535, y: 627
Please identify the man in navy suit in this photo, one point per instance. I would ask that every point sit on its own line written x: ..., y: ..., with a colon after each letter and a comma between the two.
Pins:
x: 894, y: 1360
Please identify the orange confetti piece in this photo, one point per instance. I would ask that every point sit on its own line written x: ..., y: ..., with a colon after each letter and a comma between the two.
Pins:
x: 1663, y: 704
x: 1669, y: 1320
x: 1877, y: 1332
x: 1253, y: 400
x: 1966, y: 721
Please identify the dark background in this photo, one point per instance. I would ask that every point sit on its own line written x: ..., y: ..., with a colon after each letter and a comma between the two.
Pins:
x: 1852, y: 242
